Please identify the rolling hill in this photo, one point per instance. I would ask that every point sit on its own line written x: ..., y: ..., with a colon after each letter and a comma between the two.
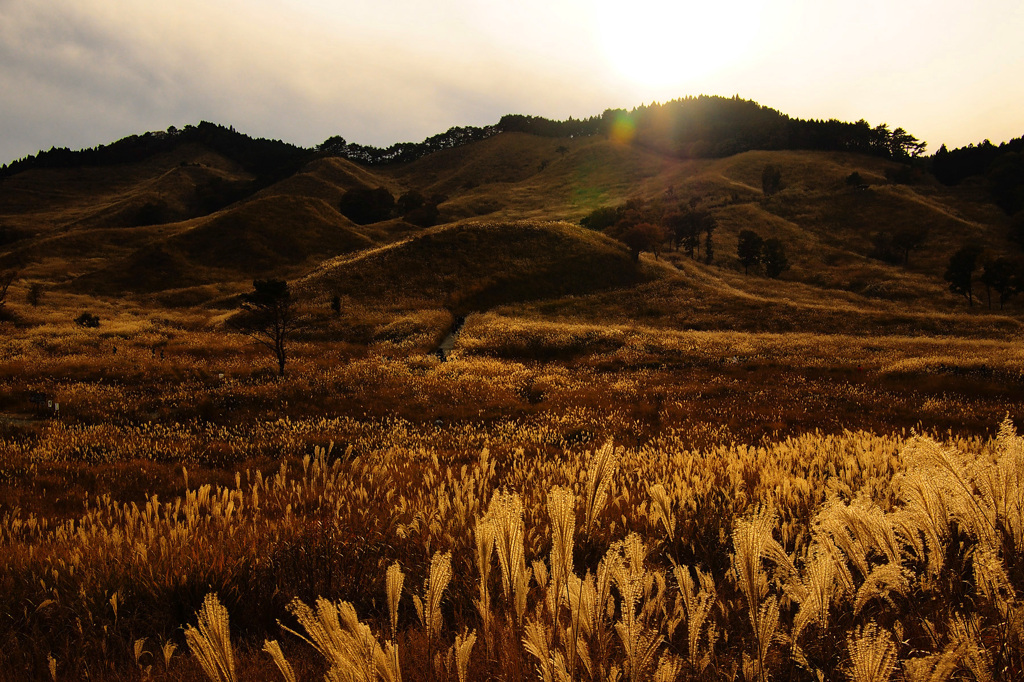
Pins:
x: 475, y: 266
x: 508, y: 232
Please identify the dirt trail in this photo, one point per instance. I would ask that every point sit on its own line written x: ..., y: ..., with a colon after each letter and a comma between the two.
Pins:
x: 737, y: 183
x: 707, y: 278
x: 448, y: 343
x: 939, y: 207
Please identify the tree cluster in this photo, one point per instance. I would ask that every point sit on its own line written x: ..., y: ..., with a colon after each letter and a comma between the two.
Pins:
x: 894, y: 246
x: 687, y: 227
x: 755, y: 252
x: 650, y: 225
x: 268, y: 160
x: 1002, y: 168
x: 543, y: 127
x: 692, y: 127
x: 999, y: 274
x: 404, y: 152
x: 712, y: 127
x: 364, y: 205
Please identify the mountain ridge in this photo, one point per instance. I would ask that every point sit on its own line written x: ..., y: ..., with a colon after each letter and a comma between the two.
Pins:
x: 708, y: 126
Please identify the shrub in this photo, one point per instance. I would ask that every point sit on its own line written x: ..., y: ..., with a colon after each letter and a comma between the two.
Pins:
x: 88, y: 320
x: 601, y: 218
x: 35, y: 294
x: 364, y: 206
x: 774, y: 258
x: 771, y: 180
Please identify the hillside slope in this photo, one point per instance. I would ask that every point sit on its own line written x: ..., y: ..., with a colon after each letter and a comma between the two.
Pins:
x: 153, y: 226
x: 185, y: 183
x: 263, y: 237
x: 476, y: 266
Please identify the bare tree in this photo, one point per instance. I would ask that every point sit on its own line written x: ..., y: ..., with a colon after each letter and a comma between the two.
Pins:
x: 268, y: 317
x: 6, y: 279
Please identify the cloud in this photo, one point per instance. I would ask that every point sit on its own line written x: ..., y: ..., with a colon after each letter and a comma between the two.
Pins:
x: 90, y: 71
x: 84, y: 72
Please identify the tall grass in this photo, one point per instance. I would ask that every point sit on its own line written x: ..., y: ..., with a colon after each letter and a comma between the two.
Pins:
x: 863, y: 556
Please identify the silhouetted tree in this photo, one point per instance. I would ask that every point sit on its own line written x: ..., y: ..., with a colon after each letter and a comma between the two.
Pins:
x: 903, y: 145
x: 749, y: 249
x: 632, y: 212
x: 771, y: 180
x: 879, y: 140
x: 602, y: 218
x: 418, y: 210
x: 35, y: 294
x: 774, y: 257
x: 960, y: 271
x: 268, y: 317
x: 643, y: 237
x: 909, y: 239
x: 709, y: 246
x: 6, y: 279
x: 1006, y: 180
x: 685, y: 228
x: 895, y: 247
x: 1017, y: 228
x: 1000, y: 274
x: 364, y: 206
x: 336, y: 304
x: 409, y: 201
x: 882, y: 247
x: 333, y: 146
x: 674, y: 227
x: 854, y: 179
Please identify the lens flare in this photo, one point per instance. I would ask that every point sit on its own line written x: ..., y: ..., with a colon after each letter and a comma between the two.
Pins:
x: 623, y: 129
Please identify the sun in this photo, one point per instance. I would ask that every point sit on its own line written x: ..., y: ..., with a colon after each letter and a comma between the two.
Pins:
x: 665, y: 45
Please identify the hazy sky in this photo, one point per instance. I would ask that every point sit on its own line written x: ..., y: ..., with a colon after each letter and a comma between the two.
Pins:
x: 78, y: 73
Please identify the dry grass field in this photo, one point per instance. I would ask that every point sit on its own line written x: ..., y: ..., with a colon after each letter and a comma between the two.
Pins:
x: 652, y: 470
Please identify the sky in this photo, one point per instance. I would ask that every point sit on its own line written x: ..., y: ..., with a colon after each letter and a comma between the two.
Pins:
x: 78, y: 73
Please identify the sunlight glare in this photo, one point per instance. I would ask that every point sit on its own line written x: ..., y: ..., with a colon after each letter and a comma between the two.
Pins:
x: 665, y: 44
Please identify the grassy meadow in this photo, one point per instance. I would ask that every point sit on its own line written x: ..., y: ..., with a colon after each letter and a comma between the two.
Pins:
x: 565, y: 500
x: 653, y: 470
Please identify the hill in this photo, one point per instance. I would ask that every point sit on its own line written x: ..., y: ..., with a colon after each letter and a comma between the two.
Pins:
x: 476, y: 266
x: 499, y: 341
x: 266, y: 236
x: 186, y: 182
x: 205, y: 211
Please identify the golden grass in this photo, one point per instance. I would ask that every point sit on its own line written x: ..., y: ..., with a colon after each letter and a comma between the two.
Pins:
x: 664, y: 502
x: 421, y: 507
